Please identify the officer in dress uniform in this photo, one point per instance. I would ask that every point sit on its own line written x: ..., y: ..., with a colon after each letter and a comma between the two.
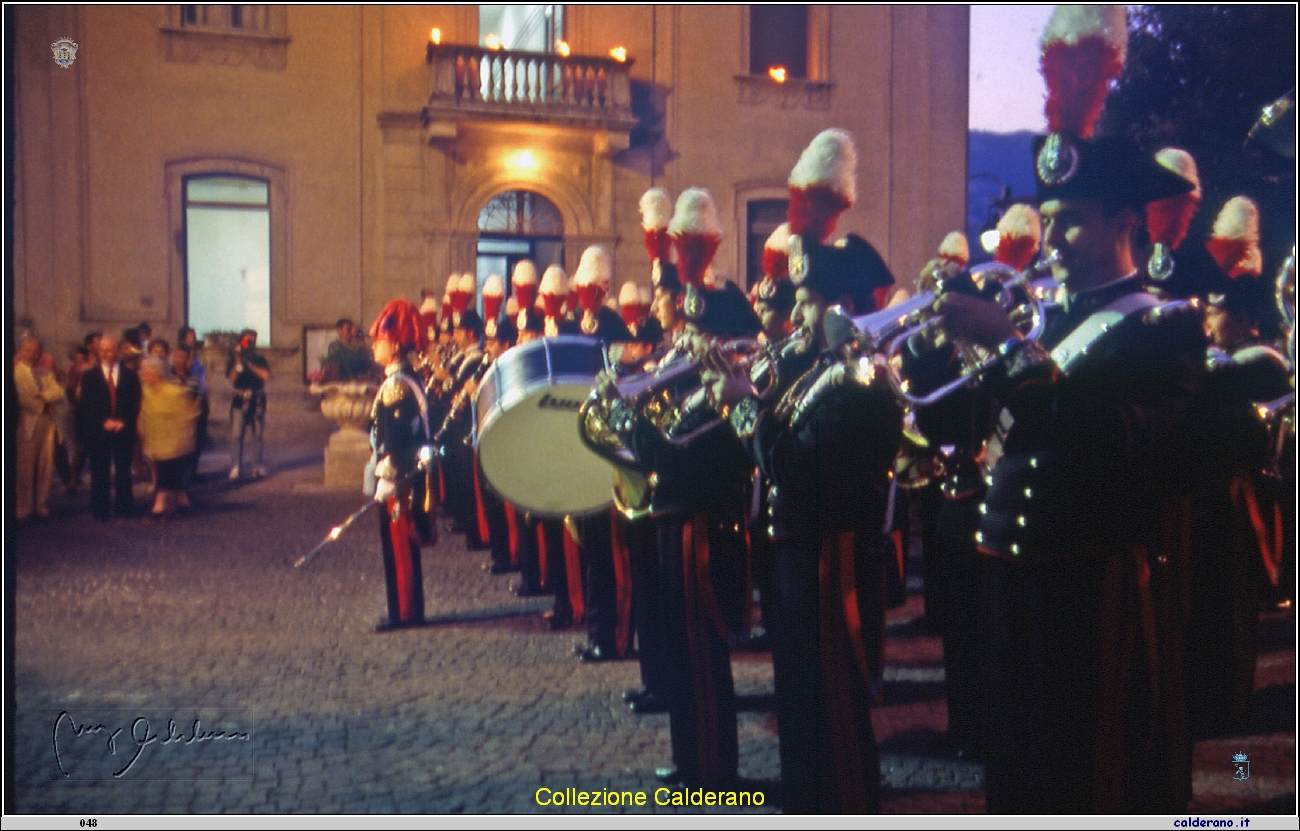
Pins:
x: 400, y: 431
x: 1081, y: 616
x: 826, y: 447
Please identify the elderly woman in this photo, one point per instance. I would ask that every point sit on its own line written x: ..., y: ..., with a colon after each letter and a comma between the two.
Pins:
x: 168, y: 414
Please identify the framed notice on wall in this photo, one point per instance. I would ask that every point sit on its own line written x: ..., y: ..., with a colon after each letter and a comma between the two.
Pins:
x: 316, y: 342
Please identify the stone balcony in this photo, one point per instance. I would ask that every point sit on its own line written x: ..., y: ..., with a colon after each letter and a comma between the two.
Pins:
x: 471, y: 84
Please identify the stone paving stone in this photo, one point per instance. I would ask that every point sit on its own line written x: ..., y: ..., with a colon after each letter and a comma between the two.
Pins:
x: 469, y: 716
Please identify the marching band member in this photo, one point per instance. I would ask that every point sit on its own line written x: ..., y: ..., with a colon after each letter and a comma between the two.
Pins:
x: 697, y: 505
x: 531, y: 571
x: 503, y: 524
x: 827, y: 448
x: 605, y: 571
x: 1238, y: 521
x: 456, y: 429
x: 773, y: 296
x: 401, y: 429
x: 1081, y: 626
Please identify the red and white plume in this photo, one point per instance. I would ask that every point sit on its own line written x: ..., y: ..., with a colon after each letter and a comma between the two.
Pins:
x: 1234, y: 241
x: 554, y: 290
x: 696, y: 233
x: 447, y: 292
x: 592, y: 277
x: 524, y: 283
x: 955, y: 250
x: 494, y: 295
x: 656, y: 212
x: 633, y: 303
x: 1168, y: 219
x: 776, y: 253
x: 1019, y: 233
x: 823, y: 184
x: 462, y: 292
x: 1082, y: 52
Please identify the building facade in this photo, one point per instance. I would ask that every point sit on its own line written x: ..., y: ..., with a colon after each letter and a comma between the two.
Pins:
x: 286, y: 166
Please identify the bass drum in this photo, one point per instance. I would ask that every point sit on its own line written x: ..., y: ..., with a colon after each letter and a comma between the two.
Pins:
x: 527, y: 433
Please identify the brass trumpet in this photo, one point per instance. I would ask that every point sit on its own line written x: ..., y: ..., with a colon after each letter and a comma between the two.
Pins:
x: 1025, y: 295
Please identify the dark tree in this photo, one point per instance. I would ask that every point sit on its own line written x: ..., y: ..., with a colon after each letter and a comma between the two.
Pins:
x: 1197, y: 77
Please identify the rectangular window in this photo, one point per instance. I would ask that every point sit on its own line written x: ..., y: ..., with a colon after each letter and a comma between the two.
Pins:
x: 762, y: 218
x: 778, y: 38
x: 521, y: 27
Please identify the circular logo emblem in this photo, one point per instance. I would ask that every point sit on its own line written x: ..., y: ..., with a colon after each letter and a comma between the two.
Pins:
x: 694, y: 304
x: 1057, y: 161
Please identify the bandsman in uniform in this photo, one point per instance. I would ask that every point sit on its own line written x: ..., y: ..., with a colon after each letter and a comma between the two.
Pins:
x: 700, y: 472
x: 1239, y: 499
x: 400, y: 430
x: 457, y: 425
x: 826, y: 447
x: 1081, y: 621
x: 531, y: 572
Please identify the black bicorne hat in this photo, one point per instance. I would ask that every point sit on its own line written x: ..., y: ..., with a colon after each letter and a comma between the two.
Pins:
x: 723, y: 312
x: 1110, y: 169
x: 851, y: 269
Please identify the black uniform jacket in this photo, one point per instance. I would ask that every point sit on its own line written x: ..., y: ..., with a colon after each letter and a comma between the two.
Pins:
x: 1089, y: 456
x: 828, y: 457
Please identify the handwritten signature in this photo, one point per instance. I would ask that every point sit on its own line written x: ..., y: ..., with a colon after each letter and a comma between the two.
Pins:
x: 140, y: 735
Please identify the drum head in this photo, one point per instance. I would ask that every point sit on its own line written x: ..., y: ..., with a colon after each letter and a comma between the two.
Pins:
x: 534, y: 457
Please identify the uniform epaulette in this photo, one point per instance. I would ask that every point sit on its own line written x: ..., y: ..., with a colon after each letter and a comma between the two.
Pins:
x: 393, y: 391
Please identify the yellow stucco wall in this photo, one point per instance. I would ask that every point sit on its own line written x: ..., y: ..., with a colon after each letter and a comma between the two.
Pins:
x: 367, y: 206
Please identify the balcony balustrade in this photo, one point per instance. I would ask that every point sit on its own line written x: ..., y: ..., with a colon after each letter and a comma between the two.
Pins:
x: 474, y: 83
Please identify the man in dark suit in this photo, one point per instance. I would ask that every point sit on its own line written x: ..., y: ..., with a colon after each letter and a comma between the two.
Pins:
x: 106, y: 416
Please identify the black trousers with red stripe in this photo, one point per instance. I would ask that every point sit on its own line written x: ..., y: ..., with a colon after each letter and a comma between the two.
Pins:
x: 401, y: 547
x: 696, y: 658
x: 829, y: 759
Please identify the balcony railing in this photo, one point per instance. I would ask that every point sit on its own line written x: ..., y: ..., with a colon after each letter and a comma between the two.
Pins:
x: 583, y: 91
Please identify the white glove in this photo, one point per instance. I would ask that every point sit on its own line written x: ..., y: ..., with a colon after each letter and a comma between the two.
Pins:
x: 384, y: 488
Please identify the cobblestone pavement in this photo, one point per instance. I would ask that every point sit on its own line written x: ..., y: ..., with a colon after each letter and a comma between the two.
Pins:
x: 203, y: 618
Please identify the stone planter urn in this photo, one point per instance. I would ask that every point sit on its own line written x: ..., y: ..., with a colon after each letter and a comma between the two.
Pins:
x: 347, y: 404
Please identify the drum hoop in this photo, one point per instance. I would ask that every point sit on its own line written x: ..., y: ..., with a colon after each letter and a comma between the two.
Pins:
x: 519, y: 394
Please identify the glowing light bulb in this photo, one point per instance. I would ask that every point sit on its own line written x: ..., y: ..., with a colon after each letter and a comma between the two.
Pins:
x: 492, y: 42
x: 526, y: 160
x: 563, y: 48
x: 618, y: 53
x: 435, y: 37
x: 776, y: 73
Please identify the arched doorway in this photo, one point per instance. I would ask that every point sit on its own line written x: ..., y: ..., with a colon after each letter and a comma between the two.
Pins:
x: 518, y: 225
